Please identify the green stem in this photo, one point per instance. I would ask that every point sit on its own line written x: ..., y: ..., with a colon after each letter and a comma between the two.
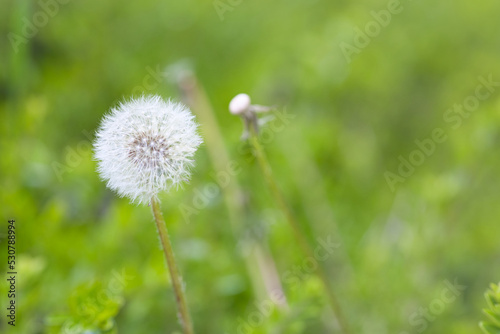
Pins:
x: 180, y: 298
x: 259, y: 261
x: 303, y: 243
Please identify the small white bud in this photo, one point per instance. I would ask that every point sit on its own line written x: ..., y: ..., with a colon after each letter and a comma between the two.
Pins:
x: 239, y: 104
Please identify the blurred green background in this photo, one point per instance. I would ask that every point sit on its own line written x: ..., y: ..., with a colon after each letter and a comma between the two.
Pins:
x: 76, y: 239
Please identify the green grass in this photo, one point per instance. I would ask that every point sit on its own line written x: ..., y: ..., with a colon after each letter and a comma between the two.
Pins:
x: 353, y: 120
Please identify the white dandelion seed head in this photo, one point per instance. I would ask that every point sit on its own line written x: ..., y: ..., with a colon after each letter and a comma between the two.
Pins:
x: 145, y: 146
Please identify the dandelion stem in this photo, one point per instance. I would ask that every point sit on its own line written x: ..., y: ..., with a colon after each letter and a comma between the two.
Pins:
x: 259, y: 260
x: 301, y: 239
x: 180, y: 298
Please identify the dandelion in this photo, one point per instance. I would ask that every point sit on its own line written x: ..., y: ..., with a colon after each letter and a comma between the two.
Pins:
x: 146, y: 146
x: 241, y: 106
x: 143, y: 147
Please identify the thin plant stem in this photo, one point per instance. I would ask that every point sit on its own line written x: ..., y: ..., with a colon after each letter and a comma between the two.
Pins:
x: 301, y: 239
x: 180, y: 298
x: 258, y: 260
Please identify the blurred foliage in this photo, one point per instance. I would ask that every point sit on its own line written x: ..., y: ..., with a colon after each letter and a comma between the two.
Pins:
x: 492, y: 326
x: 353, y: 120
x: 92, y: 308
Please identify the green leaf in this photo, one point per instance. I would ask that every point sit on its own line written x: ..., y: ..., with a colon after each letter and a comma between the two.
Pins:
x: 492, y: 297
x: 92, y: 309
x: 493, y: 317
x: 489, y: 329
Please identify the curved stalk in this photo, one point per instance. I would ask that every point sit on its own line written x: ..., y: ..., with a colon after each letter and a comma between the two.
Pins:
x: 301, y: 239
